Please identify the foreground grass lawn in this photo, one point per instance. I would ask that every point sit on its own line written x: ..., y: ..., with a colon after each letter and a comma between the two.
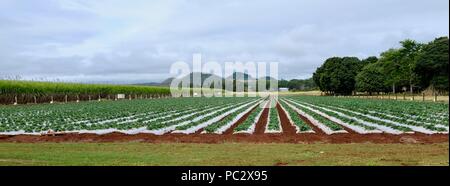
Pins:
x: 222, y: 154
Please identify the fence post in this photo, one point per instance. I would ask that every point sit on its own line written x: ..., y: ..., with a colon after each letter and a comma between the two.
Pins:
x: 89, y: 97
x: 78, y: 98
x: 423, y: 96
x: 396, y: 96
x: 435, y: 97
x: 404, y: 96
x: 412, y: 97
x: 35, y: 99
x: 51, y: 99
x: 15, y: 100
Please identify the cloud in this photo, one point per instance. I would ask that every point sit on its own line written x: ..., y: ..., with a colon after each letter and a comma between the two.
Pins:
x: 130, y: 41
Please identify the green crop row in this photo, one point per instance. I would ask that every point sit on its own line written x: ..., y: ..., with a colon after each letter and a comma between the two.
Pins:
x: 427, y: 115
x: 10, y: 87
x: 209, y: 117
x: 213, y: 127
x: 295, y: 117
x: 251, y: 119
x: 333, y: 126
x: 127, y: 114
x: 344, y: 119
x: 274, y: 122
x: 367, y: 119
x: 421, y: 112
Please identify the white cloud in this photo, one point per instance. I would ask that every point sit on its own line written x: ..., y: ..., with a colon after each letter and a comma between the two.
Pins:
x: 138, y: 40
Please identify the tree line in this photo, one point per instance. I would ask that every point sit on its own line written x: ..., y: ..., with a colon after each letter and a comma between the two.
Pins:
x: 413, y: 67
x: 298, y: 84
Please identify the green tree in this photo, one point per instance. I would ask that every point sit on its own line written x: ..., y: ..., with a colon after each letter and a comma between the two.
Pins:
x: 337, y: 75
x: 399, y: 64
x: 408, y: 53
x: 432, y: 65
x: 322, y: 74
x: 370, y: 79
x: 302, y: 84
x: 283, y: 83
x: 390, y: 63
x: 369, y: 60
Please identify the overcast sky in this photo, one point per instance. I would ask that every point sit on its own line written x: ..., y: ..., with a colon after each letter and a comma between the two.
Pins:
x: 137, y: 41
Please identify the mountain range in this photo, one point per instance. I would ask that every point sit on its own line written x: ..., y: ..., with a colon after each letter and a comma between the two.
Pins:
x: 236, y: 76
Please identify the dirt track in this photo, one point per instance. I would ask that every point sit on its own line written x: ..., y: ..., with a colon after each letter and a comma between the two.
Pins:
x: 246, y: 138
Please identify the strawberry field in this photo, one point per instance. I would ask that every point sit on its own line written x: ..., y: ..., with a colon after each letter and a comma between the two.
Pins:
x: 237, y: 116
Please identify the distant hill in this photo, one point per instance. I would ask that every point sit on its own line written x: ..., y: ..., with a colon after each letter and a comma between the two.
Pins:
x: 267, y: 78
x: 167, y: 82
x: 239, y: 77
x: 203, y: 77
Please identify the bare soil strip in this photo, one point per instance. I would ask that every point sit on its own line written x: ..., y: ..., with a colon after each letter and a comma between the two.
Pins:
x: 286, y: 126
x: 261, y: 124
x: 241, y: 138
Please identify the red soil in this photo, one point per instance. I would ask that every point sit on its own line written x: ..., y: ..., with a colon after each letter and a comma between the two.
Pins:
x: 286, y: 126
x: 261, y: 124
x: 246, y: 138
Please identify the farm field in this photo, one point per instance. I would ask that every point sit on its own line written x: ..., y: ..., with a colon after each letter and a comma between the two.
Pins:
x: 291, y: 119
x: 32, y: 92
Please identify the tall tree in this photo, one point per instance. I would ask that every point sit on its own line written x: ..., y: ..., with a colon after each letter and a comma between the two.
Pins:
x: 337, y: 75
x: 370, y: 79
x: 432, y: 64
x: 391, y: 67
x: 399, y: 64
x: 408, y: 54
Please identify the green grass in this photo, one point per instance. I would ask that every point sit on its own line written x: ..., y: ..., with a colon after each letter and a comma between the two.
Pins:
x: 222, y: 154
